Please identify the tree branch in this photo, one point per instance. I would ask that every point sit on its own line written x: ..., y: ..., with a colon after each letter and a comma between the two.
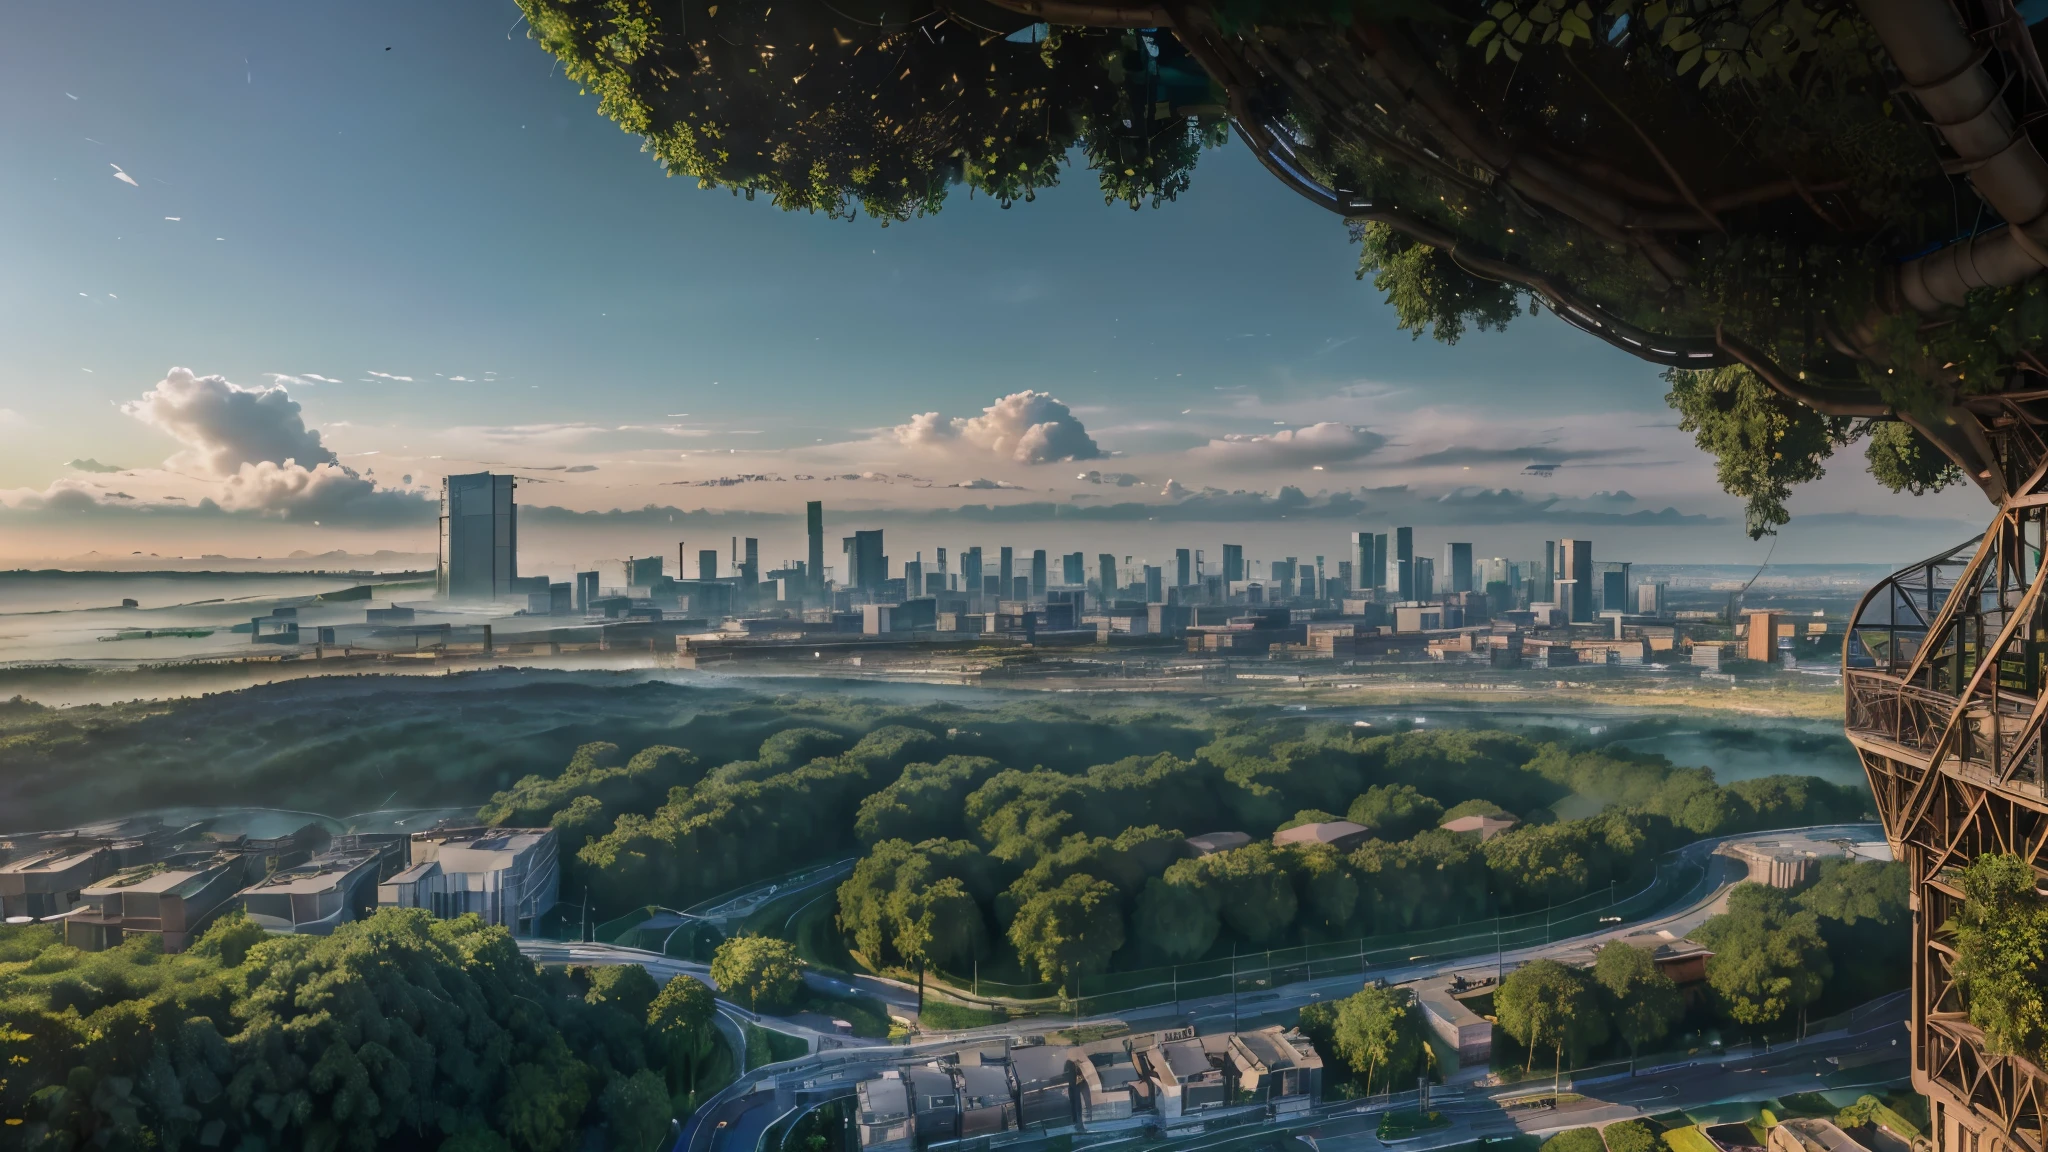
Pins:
x: 1863, y: 402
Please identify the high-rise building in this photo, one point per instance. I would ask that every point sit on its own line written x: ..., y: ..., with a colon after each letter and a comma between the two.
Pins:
x: 1377, y: 577
x: 1422, y: 577
x: 942, y: 562
x: 707, y: 564
x: 1458, y: 567
x: 814, y: 530
x: 1283, y: 576
x: 1614, y: 588
x: 1575, y: 559
x: 1105, y: 570
x: 1650, y: 599
x: 1020, y: 588
x: 479, y: 537
x: 913, y: 575
x: 1233, y: 563
x: 1183, y: 574
x: 1038, y: 574
x: 586, y: 590
x: 1361, y: 559
x: 1155, y: 584
x: 1549, y: 588
x: 750, y: 568
x: 1404, y: 564
x: 643, y: 571
x: 1565, y: 594
x: 1074, y: 569
x: 970, y: 571
x: 1007, y: 569
x: 866, y: 565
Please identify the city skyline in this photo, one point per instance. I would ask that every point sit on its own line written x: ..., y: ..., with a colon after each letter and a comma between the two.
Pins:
x: 390, y: 298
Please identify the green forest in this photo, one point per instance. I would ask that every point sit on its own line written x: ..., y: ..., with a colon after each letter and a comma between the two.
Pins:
x: 1037, y: 843
x: 399, y: 1031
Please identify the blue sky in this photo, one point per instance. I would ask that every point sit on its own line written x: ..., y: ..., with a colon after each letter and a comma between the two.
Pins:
x: 414, y: 190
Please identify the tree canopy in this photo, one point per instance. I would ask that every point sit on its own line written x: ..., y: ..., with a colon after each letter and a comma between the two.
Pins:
x: 1826, y: 221
x: 1769, y: 958
x: 395, y: 1031
x: 2000, y: 935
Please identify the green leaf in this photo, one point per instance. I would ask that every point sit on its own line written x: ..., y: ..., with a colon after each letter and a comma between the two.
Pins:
x: 1691, y: 58
x: 1484, y: 30
x: 1513, y: 53
x: 1576, y: 25
x: 1501, y: 10
x: 1493, y: 48
x: 1521, y: 36
x: 1688, y: 42
x: 1584, y: 11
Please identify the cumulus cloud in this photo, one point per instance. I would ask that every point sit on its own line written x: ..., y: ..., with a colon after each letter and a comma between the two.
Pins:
x: 1174, y: 489
x: 253, y: 448
x: 88, y: 464
x: 1118, y: 479
x: 1022, y: 428
x: 1324, y: 443
x: 983, y: 482
x: 224, y: 426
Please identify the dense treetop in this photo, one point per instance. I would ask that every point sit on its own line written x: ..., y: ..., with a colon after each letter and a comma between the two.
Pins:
x: 1798, y: 207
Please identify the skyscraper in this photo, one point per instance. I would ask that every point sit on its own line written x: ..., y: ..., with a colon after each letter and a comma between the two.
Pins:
x: 1233, y: 563
x: 1549, y: 589
x: 1105, y: 567
x: 1074, y: 569
x: 586, y: 590
x: 1422, y: 577
x: 970, y: 571
x: 1038, y: 574
x: 1183, y: 574
x: 750, y: 568
x: 865, y: 561
x: 1155, y: 584
x: 1361, y: 560
x: 1575, y: 558
x: 1458, y: 567
x: 1007, y: 570
x: 814, y: 527
x: 707, y: 564
x: 1379, y: 562
x: 1404, y: 564
x: 479, y: 537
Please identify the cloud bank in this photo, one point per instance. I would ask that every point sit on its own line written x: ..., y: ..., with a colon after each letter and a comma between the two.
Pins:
x: 1325, y: 443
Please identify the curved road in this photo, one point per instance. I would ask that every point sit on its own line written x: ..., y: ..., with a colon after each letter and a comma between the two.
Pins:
x: 735, y: 1119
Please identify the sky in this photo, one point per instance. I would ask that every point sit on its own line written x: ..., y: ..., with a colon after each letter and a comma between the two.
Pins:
x: 274, y: 269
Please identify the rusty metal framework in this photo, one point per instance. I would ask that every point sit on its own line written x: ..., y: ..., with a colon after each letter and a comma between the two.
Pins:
x: 1945, y: 673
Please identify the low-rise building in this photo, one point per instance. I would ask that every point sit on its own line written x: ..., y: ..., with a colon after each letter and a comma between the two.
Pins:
x: 1210, y: 843
x: 1342, y: 835
x: 49, y: 881
x: 1811, y: 1134
x: 508, y: 876
x: 175, y: 899
x: 882, y: 1116
x: 1485, y: 827
x: 325, y: 892
x: 1464, y: 1031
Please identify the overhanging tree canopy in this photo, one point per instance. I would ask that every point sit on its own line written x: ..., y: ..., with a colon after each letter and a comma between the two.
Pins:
x: 1826, y: 221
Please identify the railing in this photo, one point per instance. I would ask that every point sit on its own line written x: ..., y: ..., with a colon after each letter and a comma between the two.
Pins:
x: 1904, y: 714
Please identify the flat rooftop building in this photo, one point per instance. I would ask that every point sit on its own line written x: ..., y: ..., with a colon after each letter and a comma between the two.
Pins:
x: 175, y: 899
x: 882, y: 1113
x: 48, y: 882
x: 508, y: 876
x: 318, y: 896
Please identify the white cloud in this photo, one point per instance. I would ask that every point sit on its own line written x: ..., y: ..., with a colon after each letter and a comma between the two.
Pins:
x: 1022, y: 428
x: 1174, y: 489
x: 88, y: 464
x: 1325, y: 443
x: 983, y: 482
x: 254, y: 443
x: 389, y: 376
x: 224, y: 426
